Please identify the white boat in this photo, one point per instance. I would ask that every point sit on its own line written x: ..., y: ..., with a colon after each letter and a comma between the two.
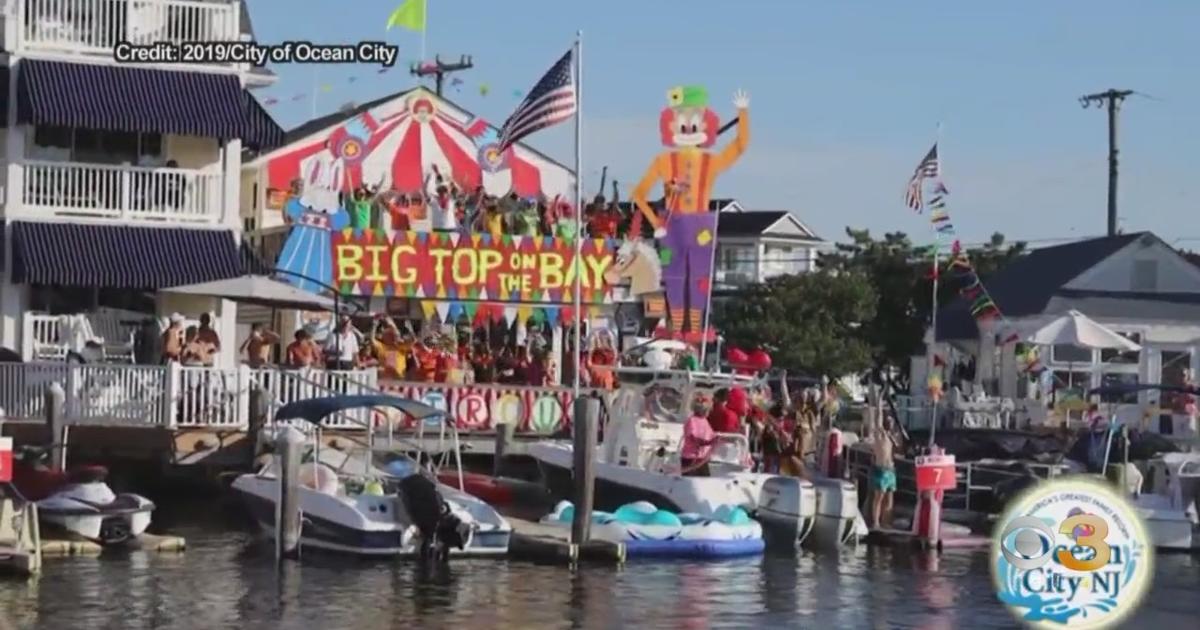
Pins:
x: 639, y: 461
x: 1169, y: 508
x: 80, y: 502
x: 354, y: 501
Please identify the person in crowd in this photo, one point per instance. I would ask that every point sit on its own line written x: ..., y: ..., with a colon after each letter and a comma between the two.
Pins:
x: 360, y: 208
x: 484, y: 364
x: 536, y: 370
x: 491, y: 220
x: 722, y: 418
x: 803, y: 439
x: 604, y: 220
x: 442, y: 207
x: 883, y: 475
x: 343, y: 346
x: 688, y: 360
x: 302, y: 352
x: 193, y: 352
x: 259, y: 344
x: 173, y: 339
x: 506, y: 366
x: 448, y: 370
x: 772, y: 439
x: 209, y: 340
x: 392, y: 348
x: 425, y: 353
x: 602, y: 361
x: 398, y: 211
x: 526, y: 219
x: 698, y: 440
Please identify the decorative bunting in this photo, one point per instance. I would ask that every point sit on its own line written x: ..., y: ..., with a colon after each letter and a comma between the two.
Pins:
x: 443, y: 309
x: 429, y: 307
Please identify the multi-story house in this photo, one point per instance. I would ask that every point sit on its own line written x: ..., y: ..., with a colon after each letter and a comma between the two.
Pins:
x: 757, y: 245
x: 119, y: 180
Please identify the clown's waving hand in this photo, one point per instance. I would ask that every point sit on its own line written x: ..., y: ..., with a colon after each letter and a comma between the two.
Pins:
x: 687, y: 169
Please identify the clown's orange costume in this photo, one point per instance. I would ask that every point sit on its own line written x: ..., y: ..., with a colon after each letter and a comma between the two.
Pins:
x: 687, y: 170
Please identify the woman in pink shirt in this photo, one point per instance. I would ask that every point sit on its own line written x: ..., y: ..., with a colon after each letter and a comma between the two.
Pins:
x: 698, y: 440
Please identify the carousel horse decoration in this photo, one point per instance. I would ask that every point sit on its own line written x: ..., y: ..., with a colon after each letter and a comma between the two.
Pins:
x: 314, y: 214
x: 637, y: 262
x: 688, y: 232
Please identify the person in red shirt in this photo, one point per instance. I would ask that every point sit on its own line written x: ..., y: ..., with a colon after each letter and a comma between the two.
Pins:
x: 427, y: 360
x: 601, y: 361
x: 722, y: 418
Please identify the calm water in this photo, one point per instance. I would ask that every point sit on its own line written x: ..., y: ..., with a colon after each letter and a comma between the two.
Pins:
x: 227, y: 580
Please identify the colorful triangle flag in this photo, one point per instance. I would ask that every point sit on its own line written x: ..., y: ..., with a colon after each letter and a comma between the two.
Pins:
x: 443, y: 309
x: 429, y: 308
x: 523, y: 314
x: 409, y: 15
x: 510, y: 314
x: 551, y: 315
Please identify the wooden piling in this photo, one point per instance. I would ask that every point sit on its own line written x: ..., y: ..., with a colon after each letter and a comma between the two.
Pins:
x: 538, y: 542
x: 505, y: 434
x: 289, y: 445
x: 584, y: 422
x: 56, y: 402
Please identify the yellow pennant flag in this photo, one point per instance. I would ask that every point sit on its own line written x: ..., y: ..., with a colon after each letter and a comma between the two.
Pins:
x: 410, y: 15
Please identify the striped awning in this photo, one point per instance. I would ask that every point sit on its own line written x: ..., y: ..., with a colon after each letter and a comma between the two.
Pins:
x: 4, y: 74
x: 126, y: 98
x: 262, y: 133
x: 119, y: 256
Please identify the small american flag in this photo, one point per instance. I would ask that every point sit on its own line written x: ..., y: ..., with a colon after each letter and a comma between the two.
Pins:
x: 550, y: 102
x: 927, y: 168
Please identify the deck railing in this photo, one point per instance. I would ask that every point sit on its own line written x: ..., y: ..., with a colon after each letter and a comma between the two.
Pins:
x: 174, y: 396
x: 95, y: 27
x: 131, y: 193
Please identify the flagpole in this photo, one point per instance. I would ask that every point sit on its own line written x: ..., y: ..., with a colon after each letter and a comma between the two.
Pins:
x: 578, y: 209
x: 932, y: 358
x: 712, y: 281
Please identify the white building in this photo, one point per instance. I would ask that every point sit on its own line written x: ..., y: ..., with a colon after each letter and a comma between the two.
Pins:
x: 119, y: 180
x: 1134, y: 284
x: 757, y: 245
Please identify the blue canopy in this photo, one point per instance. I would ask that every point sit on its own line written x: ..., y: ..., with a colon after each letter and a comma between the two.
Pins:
x: 316, y: 409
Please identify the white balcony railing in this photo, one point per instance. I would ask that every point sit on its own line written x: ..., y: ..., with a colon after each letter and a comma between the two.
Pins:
x: 134, y: 193
x: 95, y: 27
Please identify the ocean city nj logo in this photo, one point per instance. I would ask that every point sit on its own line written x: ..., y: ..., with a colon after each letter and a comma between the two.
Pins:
x: 1071, y: 553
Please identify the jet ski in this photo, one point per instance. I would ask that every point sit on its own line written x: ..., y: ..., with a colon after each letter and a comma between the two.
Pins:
x: 78, y: 501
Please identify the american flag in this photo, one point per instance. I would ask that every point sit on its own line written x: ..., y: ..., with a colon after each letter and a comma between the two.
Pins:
x: 927, y: 168
x: 550, y: 102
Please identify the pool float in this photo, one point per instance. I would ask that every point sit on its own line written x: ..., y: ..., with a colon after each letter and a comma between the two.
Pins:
x: 650, y: 532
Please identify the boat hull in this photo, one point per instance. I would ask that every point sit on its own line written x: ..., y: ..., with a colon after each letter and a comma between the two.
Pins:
x: 92, y: 511
x: 320, y: 529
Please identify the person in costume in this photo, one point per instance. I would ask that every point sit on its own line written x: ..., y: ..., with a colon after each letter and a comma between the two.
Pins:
x: 687, y: 169
x: 314, y: 215
x: 601, y: 359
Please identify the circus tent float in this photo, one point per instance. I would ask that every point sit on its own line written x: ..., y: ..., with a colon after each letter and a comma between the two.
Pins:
x: 397, y: 143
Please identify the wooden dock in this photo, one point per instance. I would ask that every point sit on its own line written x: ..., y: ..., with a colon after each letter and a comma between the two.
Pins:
x: 548, y: 544
x: 58, y: 547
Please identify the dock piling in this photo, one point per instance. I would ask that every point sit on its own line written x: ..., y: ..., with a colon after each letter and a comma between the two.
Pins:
x: 56, y: 402
x: 584, y: 422
x: 505, y: 434
x: 289, y: 444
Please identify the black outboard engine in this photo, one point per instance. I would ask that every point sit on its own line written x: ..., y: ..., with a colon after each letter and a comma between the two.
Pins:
x: 440, y: 529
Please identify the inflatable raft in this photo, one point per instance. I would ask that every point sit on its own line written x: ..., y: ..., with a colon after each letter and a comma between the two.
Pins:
x: 649, y: 532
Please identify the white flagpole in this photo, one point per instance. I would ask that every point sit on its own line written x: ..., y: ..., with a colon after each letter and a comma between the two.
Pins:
x: 932, y: 358
x: 575, y: 361
x: 712, y: 281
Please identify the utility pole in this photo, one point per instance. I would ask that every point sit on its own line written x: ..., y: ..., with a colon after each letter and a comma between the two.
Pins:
x: 1113, y: 99
x: 439, y: 69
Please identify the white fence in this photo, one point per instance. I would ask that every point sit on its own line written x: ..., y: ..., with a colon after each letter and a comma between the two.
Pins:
x: 169, y: 396
x: 95, y: 27
x: 134, y: 193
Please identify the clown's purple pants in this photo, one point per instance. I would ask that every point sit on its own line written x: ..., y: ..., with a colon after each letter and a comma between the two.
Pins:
x: 690, y: 239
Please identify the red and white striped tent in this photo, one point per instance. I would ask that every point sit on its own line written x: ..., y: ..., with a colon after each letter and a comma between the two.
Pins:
x: 397, y: 142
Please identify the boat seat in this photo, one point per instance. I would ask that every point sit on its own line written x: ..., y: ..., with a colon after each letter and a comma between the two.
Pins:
x: 122, y: 502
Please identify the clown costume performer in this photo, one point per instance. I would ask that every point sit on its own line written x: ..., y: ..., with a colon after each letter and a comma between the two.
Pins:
x: 687, y: 169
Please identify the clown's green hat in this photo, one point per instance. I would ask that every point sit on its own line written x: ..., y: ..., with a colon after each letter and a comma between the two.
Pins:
x: 688, y: 96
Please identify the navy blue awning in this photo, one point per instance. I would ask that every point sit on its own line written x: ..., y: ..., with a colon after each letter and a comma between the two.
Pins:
x: 262, y: 133
x: 3, y: 96
x: 125, y: 98
x: 118, y: 256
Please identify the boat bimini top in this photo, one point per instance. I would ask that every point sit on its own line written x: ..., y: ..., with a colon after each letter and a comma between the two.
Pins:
x: 315, y: 410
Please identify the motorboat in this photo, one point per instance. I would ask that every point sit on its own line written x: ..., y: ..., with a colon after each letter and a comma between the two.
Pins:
x: 79, y: 501
x: 639, y: 460
x: 649, y: 532
x: 354, y: 500
x: 1169, y: 509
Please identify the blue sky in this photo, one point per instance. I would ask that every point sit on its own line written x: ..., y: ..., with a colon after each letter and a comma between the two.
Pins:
x: 846, y: 97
